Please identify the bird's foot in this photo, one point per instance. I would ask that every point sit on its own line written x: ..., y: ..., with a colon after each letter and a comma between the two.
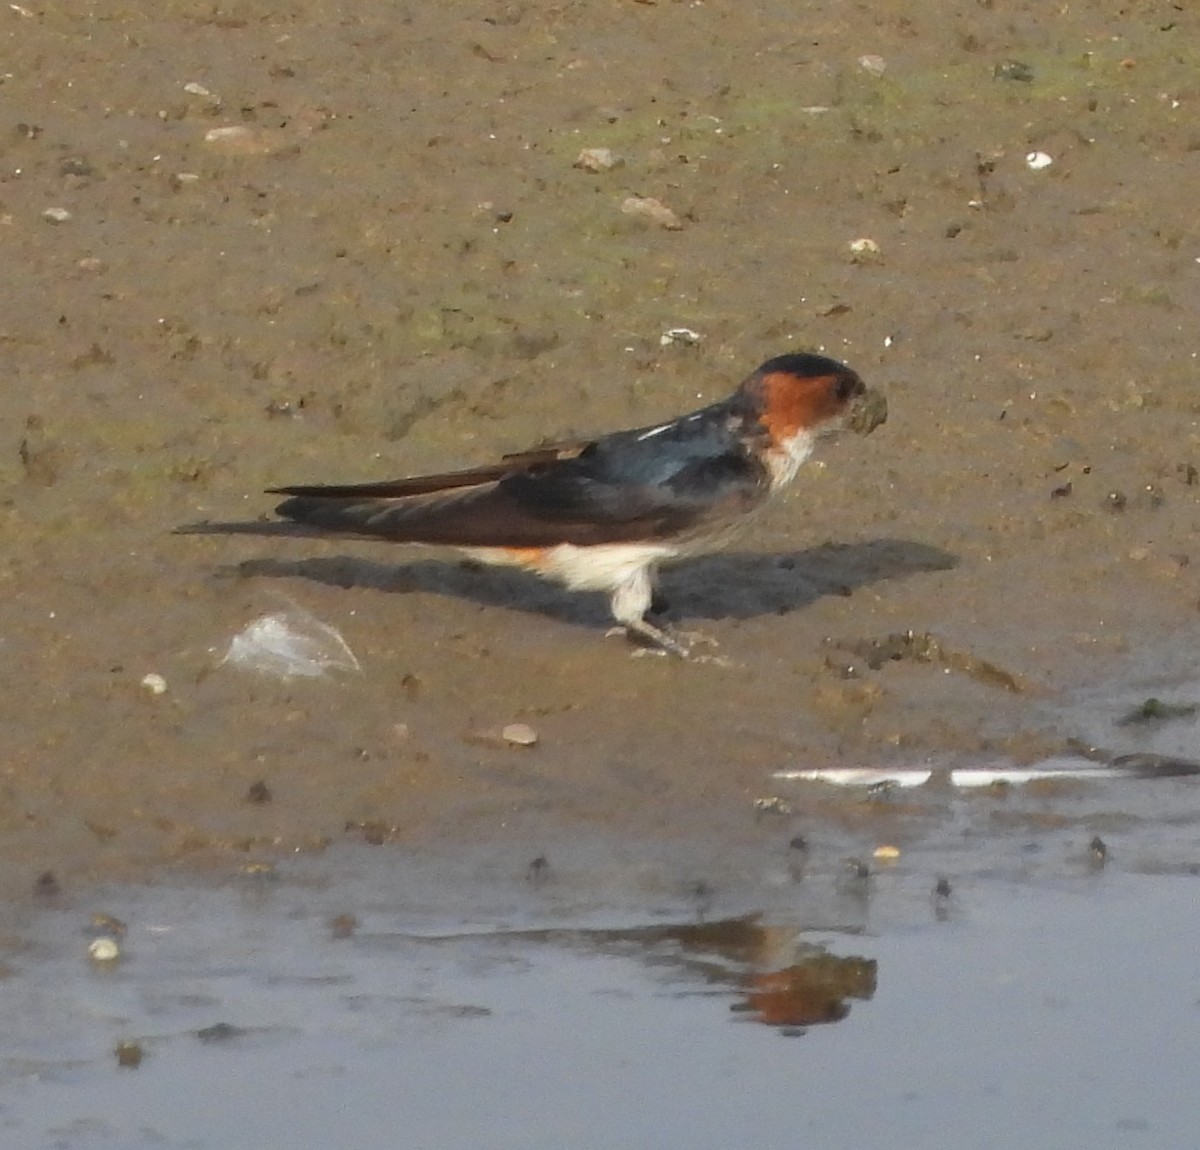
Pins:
x: 659, y: 641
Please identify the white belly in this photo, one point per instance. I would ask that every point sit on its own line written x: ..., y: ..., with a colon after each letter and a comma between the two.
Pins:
x: 601, y: 567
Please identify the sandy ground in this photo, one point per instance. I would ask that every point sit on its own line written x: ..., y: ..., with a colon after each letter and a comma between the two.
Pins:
x: 394, y: 265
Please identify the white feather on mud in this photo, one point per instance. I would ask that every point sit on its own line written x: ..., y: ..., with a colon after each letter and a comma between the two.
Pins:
x: 289, y: 645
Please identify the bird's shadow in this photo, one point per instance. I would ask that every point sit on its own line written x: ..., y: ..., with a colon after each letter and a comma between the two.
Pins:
x: 734, y: 585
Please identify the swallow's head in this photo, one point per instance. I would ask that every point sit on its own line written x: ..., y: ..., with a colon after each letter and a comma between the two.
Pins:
x: 798, y: 399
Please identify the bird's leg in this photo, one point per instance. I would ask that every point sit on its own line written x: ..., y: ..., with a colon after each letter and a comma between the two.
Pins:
x: 632, y: 601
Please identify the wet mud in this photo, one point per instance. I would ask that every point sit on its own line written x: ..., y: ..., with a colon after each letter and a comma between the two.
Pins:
x: 249, y: 248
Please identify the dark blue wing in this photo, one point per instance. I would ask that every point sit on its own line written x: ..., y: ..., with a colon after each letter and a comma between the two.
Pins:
x: 633, y: 486
x: 661, y: 477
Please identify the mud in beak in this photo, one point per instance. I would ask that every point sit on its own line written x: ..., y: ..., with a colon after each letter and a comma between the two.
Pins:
x: 867, y: 412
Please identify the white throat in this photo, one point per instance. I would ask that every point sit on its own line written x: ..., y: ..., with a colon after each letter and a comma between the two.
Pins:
x: 784, y: 461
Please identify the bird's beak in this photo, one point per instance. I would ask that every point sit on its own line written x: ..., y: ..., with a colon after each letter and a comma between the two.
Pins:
x: 867, y: 412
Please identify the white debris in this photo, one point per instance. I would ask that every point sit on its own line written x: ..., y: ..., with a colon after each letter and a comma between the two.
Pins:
x: 154, y: 683
x: 874, y: 65
x: 56, y: 215
x: 194, y: 89
x: 681, y: 336
x: 290, y: 644
x: 240, y: 140
x: 1036, y: 161
x: 1122, y: 767
x: 232, y: 134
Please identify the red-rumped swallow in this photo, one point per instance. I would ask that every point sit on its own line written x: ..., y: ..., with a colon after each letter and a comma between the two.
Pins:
x: 604, y: 514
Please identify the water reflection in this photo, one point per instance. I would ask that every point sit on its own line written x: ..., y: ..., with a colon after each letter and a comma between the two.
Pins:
x: 772, y: 973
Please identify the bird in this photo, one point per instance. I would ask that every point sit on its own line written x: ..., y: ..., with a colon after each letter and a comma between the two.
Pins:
x: 604, y: 514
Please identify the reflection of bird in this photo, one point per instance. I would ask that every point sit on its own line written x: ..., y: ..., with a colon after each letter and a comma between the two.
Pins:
x: 602, y: 515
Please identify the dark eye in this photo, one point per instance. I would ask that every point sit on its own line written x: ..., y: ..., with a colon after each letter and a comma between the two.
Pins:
x: 847, y: 387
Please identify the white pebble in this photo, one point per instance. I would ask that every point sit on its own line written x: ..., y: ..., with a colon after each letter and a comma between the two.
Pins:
x: 154, y: 683
x: 1036, y: 161
x: 683, y: 336
x: 56, y: 215
x: 103, y: 950
x: 519, y: 735
x: 865, y: 250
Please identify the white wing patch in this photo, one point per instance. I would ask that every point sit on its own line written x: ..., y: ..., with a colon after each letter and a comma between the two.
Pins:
x: 656, y: 431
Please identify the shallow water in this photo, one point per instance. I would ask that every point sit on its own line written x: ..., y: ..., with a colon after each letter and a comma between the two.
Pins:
x: 614, y: 1001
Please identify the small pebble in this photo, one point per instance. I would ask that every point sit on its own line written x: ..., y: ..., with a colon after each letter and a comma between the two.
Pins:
x: 220, y: 1032
x: 519, y: 735
x: 258, y: 793
x: 1013, y: 70
x: 886, y: 853
x: 258, y: 870
x: 46, y: 885
x: 941, y: 899
x: 772, y: 805
x: 1036, y: 161
x: 855, y: 874
x: 103, y: 950
x: 865, y: 250
x: 648, y: 208
x: 598, y: 160
x: 129, y: 1054
x: 56, y: 215
x: 103, y: 925
x: 194, y: 89
x: 343, y: 925
x: 873, y: 65
x: 75, y: 166
x: 154, y: 683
